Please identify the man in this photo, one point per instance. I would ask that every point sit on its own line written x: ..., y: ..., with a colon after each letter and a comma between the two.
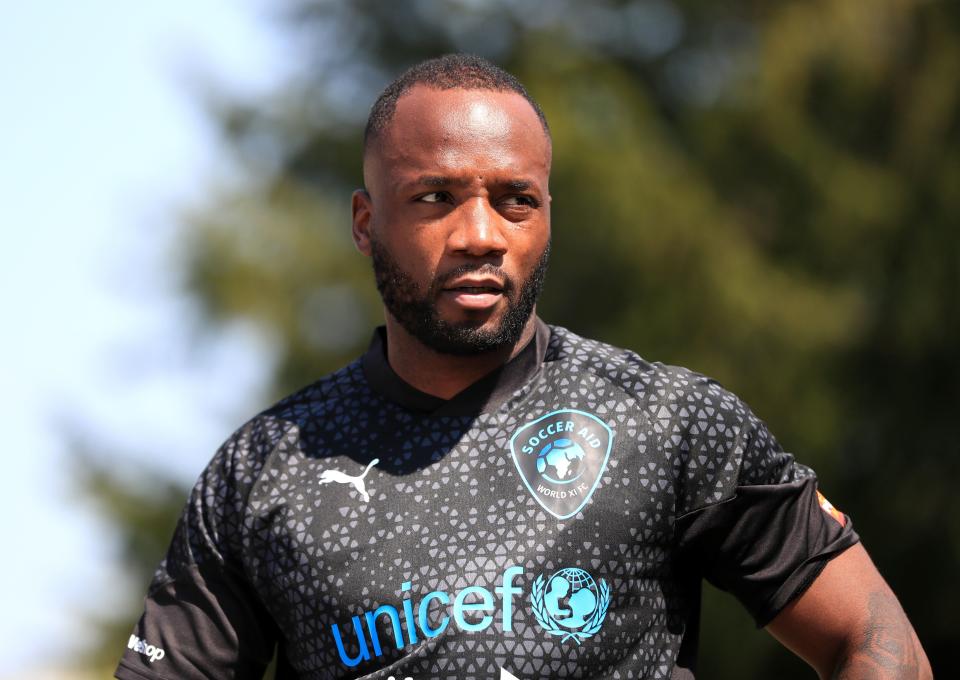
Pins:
x: 482, y: 495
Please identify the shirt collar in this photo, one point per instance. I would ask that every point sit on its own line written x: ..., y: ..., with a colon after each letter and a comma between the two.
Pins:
x: 485, y: 395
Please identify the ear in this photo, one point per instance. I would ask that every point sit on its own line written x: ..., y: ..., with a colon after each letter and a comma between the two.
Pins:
x: 362, y: 206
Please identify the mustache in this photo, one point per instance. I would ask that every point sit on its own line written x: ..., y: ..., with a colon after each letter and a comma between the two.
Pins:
x: 485, y: 269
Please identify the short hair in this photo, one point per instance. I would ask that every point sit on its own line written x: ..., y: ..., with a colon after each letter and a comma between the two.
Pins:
x: 447, y: 72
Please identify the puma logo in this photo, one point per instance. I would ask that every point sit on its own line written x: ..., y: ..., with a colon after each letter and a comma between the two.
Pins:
x: 343, y: 478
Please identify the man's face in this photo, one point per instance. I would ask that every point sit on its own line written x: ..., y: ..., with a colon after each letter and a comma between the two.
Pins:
x: 457, y: 218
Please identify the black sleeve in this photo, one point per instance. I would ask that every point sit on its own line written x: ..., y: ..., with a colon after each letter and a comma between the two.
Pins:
x: 202, y: 618
x: 766, y: 544
x: 759, y: 529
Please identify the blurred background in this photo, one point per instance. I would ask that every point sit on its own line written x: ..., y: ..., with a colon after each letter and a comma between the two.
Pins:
x: 766, y: 192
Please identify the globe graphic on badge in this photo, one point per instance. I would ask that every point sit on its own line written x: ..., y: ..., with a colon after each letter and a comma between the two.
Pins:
x: 571, y: 597
x: 560, y: 461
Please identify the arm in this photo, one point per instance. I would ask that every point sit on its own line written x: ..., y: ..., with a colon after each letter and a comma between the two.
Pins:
x: 202, y: 617
x: 848, y: 624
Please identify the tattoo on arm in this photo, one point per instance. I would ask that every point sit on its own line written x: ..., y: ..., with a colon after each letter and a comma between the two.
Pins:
x: 887, y: 649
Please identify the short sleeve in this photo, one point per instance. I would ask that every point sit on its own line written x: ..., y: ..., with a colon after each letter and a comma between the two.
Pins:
x: 202, y: 618
x: 758, y: 527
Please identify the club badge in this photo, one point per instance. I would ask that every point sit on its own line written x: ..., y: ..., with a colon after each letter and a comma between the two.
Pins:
x: 561, y: 457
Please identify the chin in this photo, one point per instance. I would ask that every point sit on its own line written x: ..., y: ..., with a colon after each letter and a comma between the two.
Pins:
x: 488, y: 320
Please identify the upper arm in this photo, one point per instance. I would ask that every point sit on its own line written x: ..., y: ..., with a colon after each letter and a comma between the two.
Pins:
x: 202, y: 617
x: 849, y: 618
x: 764, y: 533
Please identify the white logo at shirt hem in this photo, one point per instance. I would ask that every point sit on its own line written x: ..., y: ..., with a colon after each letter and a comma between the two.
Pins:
x: 141, y: 646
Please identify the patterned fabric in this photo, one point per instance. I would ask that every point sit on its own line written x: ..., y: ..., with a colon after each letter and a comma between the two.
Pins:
x: 371, y: 531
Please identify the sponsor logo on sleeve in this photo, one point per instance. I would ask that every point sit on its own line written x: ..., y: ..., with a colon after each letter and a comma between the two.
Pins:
x: 561, y: 457
x: 828, y: 508
x: 143, y: 647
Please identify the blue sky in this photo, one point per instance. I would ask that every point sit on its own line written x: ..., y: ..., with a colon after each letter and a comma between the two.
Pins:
x: 102, y: 145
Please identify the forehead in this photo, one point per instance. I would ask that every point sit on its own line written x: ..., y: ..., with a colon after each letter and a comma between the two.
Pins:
x: 460, y: 132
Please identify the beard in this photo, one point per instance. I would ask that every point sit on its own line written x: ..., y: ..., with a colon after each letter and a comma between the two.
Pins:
x: 416, y: 309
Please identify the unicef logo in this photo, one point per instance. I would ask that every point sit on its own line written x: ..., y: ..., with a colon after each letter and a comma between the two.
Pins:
x: 570, y: 603
x: 559, y: 461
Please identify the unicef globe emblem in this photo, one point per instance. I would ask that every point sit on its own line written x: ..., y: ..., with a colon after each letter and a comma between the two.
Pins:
x: 570, y: 603
x: 559, y: 461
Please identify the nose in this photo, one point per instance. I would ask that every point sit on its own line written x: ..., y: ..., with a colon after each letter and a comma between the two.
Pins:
x: 478, y: 231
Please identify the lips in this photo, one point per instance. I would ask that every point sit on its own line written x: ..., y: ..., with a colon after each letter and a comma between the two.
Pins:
x: 475, y: 289
x: 475, y: 285
x: 474, y: 293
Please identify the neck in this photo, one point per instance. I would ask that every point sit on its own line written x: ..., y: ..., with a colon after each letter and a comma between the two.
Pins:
x: 445, y: 375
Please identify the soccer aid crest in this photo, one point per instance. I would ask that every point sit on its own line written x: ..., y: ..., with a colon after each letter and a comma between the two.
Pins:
x: 570, y: 604
x: 561, y: 457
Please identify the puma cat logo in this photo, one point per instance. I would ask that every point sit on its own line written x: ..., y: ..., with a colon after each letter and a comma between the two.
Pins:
x: 343, y: 478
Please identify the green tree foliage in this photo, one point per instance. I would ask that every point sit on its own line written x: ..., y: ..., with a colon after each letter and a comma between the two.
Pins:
x: 765, y: 192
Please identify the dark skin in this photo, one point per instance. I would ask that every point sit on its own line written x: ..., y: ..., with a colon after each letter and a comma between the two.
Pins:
x: 461, y: 177
x: 849, y: 625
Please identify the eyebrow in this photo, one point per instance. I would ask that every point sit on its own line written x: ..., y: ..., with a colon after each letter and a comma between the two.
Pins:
x: 435, y: 181
x: 518, y: 184
x: 444, y: 181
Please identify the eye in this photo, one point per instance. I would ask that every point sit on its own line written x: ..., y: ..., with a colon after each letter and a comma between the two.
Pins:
x: 434, y: 197
x: 520, y: 201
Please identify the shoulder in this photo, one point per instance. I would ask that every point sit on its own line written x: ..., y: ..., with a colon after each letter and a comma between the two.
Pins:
x: 650, y: 382
x: 709, y: 433
x: 343, y: 385
x: 281, y: 428
x: 257, y: 452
